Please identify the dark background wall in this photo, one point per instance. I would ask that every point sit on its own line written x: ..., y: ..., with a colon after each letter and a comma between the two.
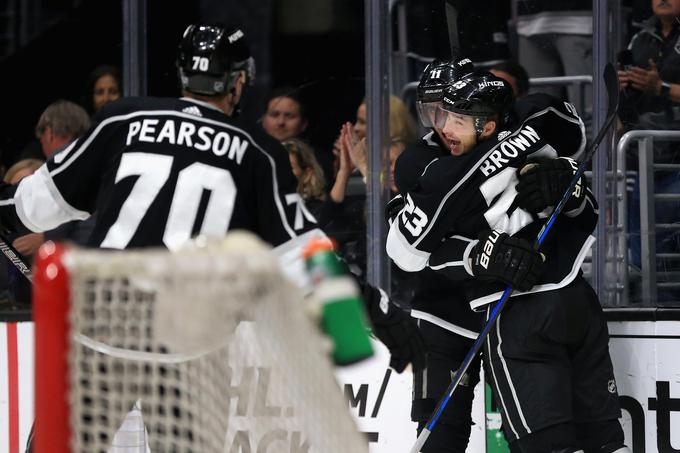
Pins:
x: 58, y: 42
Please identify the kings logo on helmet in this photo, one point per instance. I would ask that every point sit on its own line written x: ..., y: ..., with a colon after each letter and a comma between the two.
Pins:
x: 491, y: 83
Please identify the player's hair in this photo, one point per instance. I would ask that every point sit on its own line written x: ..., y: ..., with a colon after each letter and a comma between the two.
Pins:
x: 307, y: 160
x: 290, y: 93
x: 65, y: 118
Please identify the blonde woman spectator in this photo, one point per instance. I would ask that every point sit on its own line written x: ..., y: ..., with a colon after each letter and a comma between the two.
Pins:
x: 21, y: 169
x: 403, y: 130
x: 343, y: 216
x: 306, y: 168
x: 402, y: 124
x: 359, y: 126
x: 396, y: 148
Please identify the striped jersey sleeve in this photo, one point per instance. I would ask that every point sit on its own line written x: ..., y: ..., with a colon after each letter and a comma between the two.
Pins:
x: 160, y: 171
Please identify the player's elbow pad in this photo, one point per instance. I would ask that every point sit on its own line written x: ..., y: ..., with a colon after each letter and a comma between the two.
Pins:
x: 404, y: 255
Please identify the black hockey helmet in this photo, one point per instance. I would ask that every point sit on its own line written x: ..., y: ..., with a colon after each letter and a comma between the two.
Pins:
x: 440, y: 74
x: 437, y: 76
x: 480, y: 94
x: 211, y: 57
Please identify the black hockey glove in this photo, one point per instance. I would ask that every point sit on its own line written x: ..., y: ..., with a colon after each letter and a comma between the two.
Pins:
x: 394, y: 206
x: 396, y: 330
x: 542, y: 183
x: 510, y: 260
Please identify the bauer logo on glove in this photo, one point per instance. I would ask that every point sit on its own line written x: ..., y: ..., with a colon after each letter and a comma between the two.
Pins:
x: 485, y: 257
x: 507, y: 259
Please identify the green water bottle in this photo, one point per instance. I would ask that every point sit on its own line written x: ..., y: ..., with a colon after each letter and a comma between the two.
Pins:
x: 343, y: 316
x: 495, y: 440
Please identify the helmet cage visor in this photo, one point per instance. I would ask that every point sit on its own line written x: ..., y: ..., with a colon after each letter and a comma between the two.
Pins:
x: 427, y: 112
x: 454, y: 119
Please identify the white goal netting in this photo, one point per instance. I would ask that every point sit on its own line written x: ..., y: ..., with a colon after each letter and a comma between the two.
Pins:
x: 205, y: 350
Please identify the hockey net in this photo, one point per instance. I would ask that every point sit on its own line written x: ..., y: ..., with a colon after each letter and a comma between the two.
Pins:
x: 207, y: 350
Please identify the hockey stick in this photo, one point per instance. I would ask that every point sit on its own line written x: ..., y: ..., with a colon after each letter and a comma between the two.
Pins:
x: 15, y: 258
x: 452, y: 26
x: 612, y: 85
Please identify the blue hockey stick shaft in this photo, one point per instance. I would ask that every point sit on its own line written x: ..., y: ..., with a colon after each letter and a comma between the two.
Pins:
x: 613, y: 90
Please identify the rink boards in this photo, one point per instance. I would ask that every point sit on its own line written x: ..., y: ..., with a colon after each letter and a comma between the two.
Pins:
x: 644, y: 352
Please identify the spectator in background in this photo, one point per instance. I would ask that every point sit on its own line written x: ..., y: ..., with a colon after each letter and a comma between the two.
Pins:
x: 650, y: 81
x: 556, y: 39
x: 402, y: 125
x: 310, y: 177
x: 3, y: 169
x: 515, y: 75
x: 397, y: 146
x: 285, y: 117
x: 336, y: 152
x: 342, y: 216
x: 402, y: 129
x: 359, y: 126
x: 344, y: 211
x: 60, y: 123
x: 77, y: 232
x: 103, y: 86
x: 21, y: 169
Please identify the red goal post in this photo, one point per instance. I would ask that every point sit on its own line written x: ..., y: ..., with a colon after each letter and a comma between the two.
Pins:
x: 203, y: 350
x: 50, y: 313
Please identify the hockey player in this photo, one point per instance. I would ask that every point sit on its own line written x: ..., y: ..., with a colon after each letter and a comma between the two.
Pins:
x: 445, y: 320
x: 547, y: 356
x: 436, y: 77
x: 159, y: 171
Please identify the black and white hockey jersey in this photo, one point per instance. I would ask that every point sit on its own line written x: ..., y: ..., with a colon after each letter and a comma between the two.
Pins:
x: 436, y: 298
x: 161, y: 170
x: 457, y: 197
